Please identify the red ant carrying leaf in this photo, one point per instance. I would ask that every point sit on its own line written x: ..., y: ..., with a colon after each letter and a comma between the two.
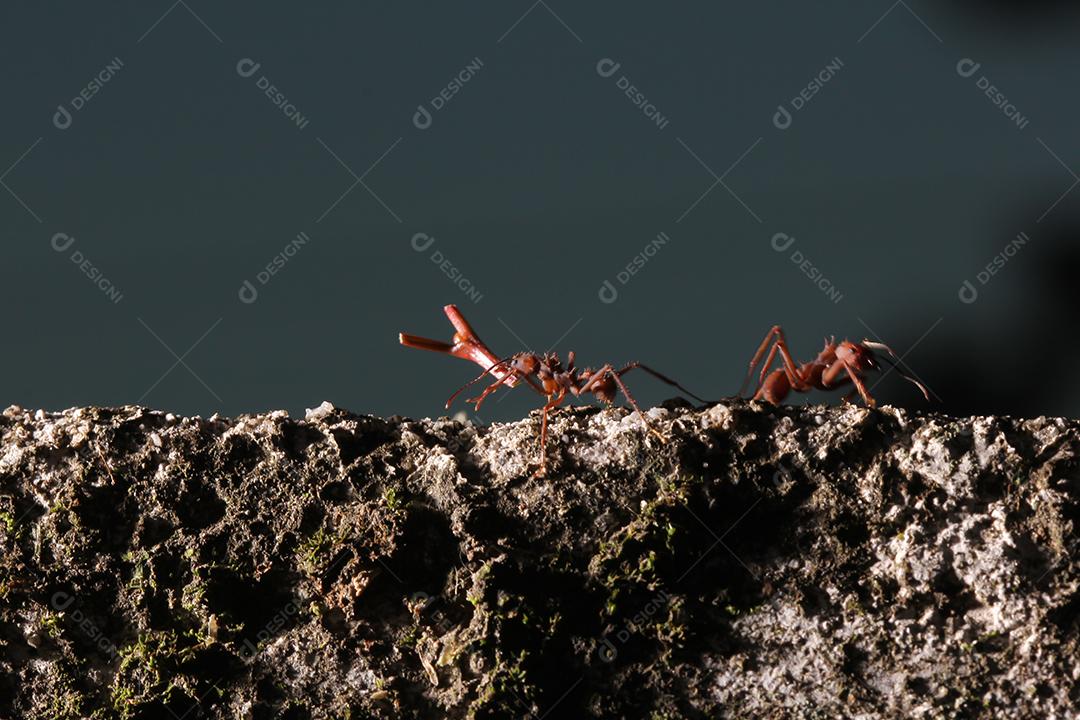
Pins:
x: 543, y: 373
x: 836, y: 365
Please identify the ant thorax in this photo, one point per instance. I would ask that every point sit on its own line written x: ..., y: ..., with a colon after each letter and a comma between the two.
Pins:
x: 827, y: 356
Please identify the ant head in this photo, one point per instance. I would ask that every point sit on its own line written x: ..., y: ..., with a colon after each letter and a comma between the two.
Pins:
x: 860, y: 355
x: 527, y: 363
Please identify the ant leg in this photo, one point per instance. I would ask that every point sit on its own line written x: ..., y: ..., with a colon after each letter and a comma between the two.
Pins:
x: 658, y: 376
x: 633, y: 403
x: 791, y: 368
x: 776, y: 330
x: 798, y: 382
x: 587, y: 385
x: 766, y: 366
x: 608, y: 369
x: 795, y: 376
x: 854, y: 373
x: 552, y: 402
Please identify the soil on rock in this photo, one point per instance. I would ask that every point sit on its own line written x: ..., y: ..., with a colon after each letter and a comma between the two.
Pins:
x: 762, y: 562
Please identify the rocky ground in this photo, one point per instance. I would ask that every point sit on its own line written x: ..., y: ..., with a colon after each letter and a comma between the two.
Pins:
x: 762, y: 562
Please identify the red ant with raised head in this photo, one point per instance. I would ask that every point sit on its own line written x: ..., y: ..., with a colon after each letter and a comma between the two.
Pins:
x: 835, y: 365
x: 543, y: 373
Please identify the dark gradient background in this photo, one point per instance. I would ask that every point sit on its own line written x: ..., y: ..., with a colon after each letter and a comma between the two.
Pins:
x: 539, y: 180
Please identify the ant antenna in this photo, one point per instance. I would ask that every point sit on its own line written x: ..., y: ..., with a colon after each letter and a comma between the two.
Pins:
x: 889, y: 357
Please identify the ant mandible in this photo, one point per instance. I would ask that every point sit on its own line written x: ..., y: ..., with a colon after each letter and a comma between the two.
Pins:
x: 543, y: 373
x: 836, y: 365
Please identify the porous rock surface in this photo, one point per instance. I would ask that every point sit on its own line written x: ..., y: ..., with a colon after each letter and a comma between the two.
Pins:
x: 762, y: 562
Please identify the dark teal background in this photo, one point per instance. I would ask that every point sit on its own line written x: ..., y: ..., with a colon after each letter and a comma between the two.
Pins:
x: 539, y: 181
